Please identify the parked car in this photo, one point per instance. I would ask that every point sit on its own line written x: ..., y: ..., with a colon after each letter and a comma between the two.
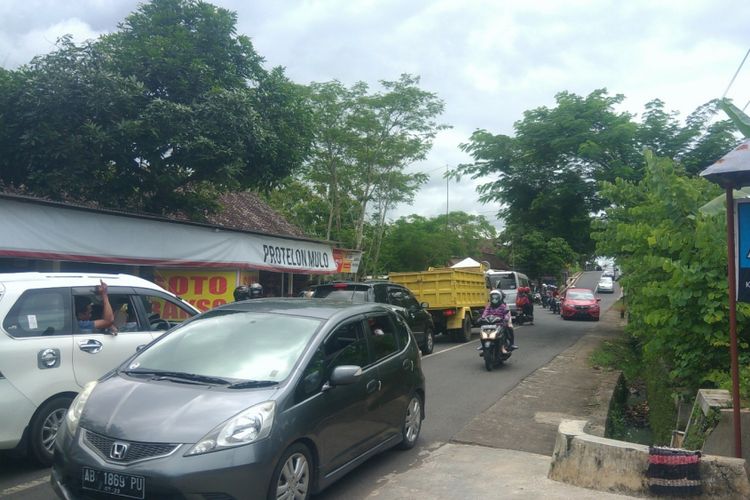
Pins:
x: 46, y: 358
x: 606, y: 285
x: 400, y: 298
x: 268, y: 398
x: 580, y: 303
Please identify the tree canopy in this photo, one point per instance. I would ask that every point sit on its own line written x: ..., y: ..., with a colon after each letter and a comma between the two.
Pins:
x: 160, y: 116
x: 546, y: 178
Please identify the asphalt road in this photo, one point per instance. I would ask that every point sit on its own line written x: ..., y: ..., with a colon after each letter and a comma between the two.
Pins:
x: 458, y: 389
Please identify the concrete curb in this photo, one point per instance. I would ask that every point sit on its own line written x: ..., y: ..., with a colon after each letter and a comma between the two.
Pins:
x: 594, y: 462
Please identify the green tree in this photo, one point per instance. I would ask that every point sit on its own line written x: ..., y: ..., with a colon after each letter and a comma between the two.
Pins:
x: 545, y: 177
x: 414, y: 243
x: 673, y: 258
x: 160, y: 116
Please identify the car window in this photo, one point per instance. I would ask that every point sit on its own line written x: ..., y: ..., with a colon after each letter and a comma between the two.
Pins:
x: 382, y: 334
x: 345, y: 346
x: 344, y: 292
x: 163, y: 311
x: 396, y: 296
x: 123, y: 307
x: 402, y: 331
x: 573, y: 295
x: 381, y: 294
x: 126, y: 315
x: 233, y: 344
x: 504, y: 281
x: 40, y: 312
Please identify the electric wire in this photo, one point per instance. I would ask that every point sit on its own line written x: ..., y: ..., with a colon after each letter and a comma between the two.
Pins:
x: 735, y: 74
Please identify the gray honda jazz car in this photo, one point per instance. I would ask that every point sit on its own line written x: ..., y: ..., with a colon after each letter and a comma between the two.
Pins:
x: 268, y: 398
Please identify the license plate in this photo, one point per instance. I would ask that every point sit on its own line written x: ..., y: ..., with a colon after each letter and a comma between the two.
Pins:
x: 114, y: 483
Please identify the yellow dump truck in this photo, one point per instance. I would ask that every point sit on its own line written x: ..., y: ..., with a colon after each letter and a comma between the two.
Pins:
x: 455, y: 297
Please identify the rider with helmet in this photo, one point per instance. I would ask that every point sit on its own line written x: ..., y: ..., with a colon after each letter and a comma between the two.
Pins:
x: 498, y: 307
x: 245, y: 292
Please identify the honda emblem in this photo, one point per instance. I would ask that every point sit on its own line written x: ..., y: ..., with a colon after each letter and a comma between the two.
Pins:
x: 118, y: 450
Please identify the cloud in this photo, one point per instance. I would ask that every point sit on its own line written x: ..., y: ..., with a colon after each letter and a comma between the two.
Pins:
x: 489, y: 61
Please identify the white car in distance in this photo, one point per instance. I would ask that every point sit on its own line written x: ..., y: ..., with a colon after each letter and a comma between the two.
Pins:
x: 606, y: 285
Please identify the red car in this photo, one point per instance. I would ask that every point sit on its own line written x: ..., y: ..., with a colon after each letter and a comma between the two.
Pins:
x: 580, y: 303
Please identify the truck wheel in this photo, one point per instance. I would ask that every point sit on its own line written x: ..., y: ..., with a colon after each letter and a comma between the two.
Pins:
x: 465, y: 331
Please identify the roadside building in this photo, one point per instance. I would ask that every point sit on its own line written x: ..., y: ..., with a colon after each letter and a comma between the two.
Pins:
x: 202, y: 262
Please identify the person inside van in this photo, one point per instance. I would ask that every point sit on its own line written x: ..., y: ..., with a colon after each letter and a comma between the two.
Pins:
x: 498, y: 307
x: 84, y: 310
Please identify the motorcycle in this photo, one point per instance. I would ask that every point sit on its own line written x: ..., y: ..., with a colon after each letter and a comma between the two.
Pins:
x: 554, y: 305
x: 523, y: 317
x: 494, y: 339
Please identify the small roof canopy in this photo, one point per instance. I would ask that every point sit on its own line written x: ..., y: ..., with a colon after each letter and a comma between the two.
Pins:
x: 467, y: 262
x: 732, y: 169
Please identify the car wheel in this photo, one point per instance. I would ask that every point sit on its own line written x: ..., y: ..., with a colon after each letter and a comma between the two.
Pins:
x: 428, y: 344
x: 412, y: 423
x: 44, y: 425
x: 292, y: 477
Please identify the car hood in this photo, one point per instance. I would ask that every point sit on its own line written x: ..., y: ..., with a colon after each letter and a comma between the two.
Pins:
x: 163, y: 411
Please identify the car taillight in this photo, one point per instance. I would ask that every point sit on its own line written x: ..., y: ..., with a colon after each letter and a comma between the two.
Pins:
x: 340, y: 285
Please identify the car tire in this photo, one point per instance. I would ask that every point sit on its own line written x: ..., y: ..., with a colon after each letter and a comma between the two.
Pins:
x: 293, y: 472
x: 412, y: 425
x: 428, y: 344
x: 43, y: 428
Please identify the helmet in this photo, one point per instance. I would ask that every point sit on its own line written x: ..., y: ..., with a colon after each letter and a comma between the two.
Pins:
x: 242, y: 292
x: 256, y: 291
x: 496, y: 297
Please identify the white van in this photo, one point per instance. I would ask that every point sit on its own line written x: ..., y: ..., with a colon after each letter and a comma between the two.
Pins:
x: 45, y: 355
x: 508, y: 282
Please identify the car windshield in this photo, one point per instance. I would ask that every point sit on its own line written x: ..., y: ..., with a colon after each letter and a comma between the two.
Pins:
x: 605, y: 282
x: 232, y: 345
x: 574, y: 295
x: 503, y: 281
x: 345, y: 293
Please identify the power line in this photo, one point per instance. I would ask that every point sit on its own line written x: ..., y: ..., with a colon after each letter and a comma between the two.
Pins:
x: 736, y: 73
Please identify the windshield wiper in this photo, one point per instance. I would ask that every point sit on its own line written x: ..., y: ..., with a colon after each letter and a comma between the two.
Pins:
x: 247, y: 384
x: 180, y: 376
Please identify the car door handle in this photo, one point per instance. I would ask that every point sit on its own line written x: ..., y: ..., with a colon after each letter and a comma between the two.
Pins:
x: 408, y: 365
x: 90, y: 346
x: 373, y: 385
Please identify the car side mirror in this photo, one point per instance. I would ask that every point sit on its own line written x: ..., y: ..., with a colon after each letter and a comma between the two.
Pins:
x: 343, y: 375
x: 424, y: 305
x: 598, y: 299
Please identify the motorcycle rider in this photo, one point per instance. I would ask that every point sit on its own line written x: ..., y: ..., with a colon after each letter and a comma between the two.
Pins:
x: 498, y: 307
x: 245, y: 292
x: 524, y: 303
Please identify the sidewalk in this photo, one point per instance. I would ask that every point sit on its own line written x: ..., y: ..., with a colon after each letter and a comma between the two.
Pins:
x: 481, y: 462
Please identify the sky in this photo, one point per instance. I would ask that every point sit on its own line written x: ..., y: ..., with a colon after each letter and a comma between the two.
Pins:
x: 488, y: 60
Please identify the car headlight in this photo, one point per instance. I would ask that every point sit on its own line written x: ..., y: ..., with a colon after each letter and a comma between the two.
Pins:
x: 250, y: 425
x: 73, y: 417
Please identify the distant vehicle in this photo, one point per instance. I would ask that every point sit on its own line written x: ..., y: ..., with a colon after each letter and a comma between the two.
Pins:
x: 580, y: 303
x: 508, y: 282
x: 456, y: 297
x: 266, y: 398
x: 606, y: 285
x: 400, y: 298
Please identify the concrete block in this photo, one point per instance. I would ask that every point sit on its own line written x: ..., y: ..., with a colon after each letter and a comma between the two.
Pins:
x: 615, y: 466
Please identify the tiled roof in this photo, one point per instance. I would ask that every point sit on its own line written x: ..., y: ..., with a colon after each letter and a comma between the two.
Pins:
x: 247, y: 211
x: 243, y: 211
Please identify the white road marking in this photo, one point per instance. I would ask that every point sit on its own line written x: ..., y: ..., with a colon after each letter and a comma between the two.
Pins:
x: 25, y: 486
x: 449, y: 349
